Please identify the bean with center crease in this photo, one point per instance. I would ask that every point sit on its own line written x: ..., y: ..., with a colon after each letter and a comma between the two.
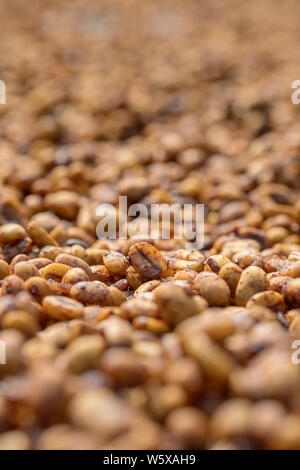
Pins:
x: 147, y: 260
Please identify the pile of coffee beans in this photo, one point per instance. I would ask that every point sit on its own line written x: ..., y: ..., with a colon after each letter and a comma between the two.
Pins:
x: 144, y: 342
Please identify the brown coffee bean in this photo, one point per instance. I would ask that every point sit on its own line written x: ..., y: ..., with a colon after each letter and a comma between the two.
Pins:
x: 213, y: 360
x: 26, y: 270
x: 55, y: 271
x: 100, y: 273
x: 65, y: 437
x: 13, y: 341
x: 133, y: 278
x: 40, y: 263
x: 147, y: 260
x: 135, y: 307
x: 146, y: 287
x: 74, y: 262
x: 188, y: 425
x: 231, y: 419
x: 12, y: 285
x: 277, y: 283
x: 216, y: 323
x: 94, y: 256
x: 286, y: 436
x: 84, y: 353
x: 35, y: 350
x: 61, y: 307
x: 154, y: 325
x: 164, y: 399
x: 186, y: 275
x: 185, y: 259
x: 4, y: 269
x: 11, y: 232
x: 15, y: 248
x: 17, y: 259
x: 37, y: 287
x: 215, y: 263
x: 252, y: 281
x: 115, y: 263
x: 76, y: 250
x: 92, y: 293
x: 174, y: 304
x: 63, y: 203
x: 116, y: 331
x: 266, y: 416
x: 51, y: 252
x: 231, y: 274
x: 39, y: 235
x: 117, y: 296
x: 269, y: 299
x: 212, y: 288
x: 124, y: 366
x: 186, y: 372
x: 74, y: 275
x: 291, y: 292
x: 22, y: 321
x: 45, y: 392
x: 100, y: 411
x: 200, y: 302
